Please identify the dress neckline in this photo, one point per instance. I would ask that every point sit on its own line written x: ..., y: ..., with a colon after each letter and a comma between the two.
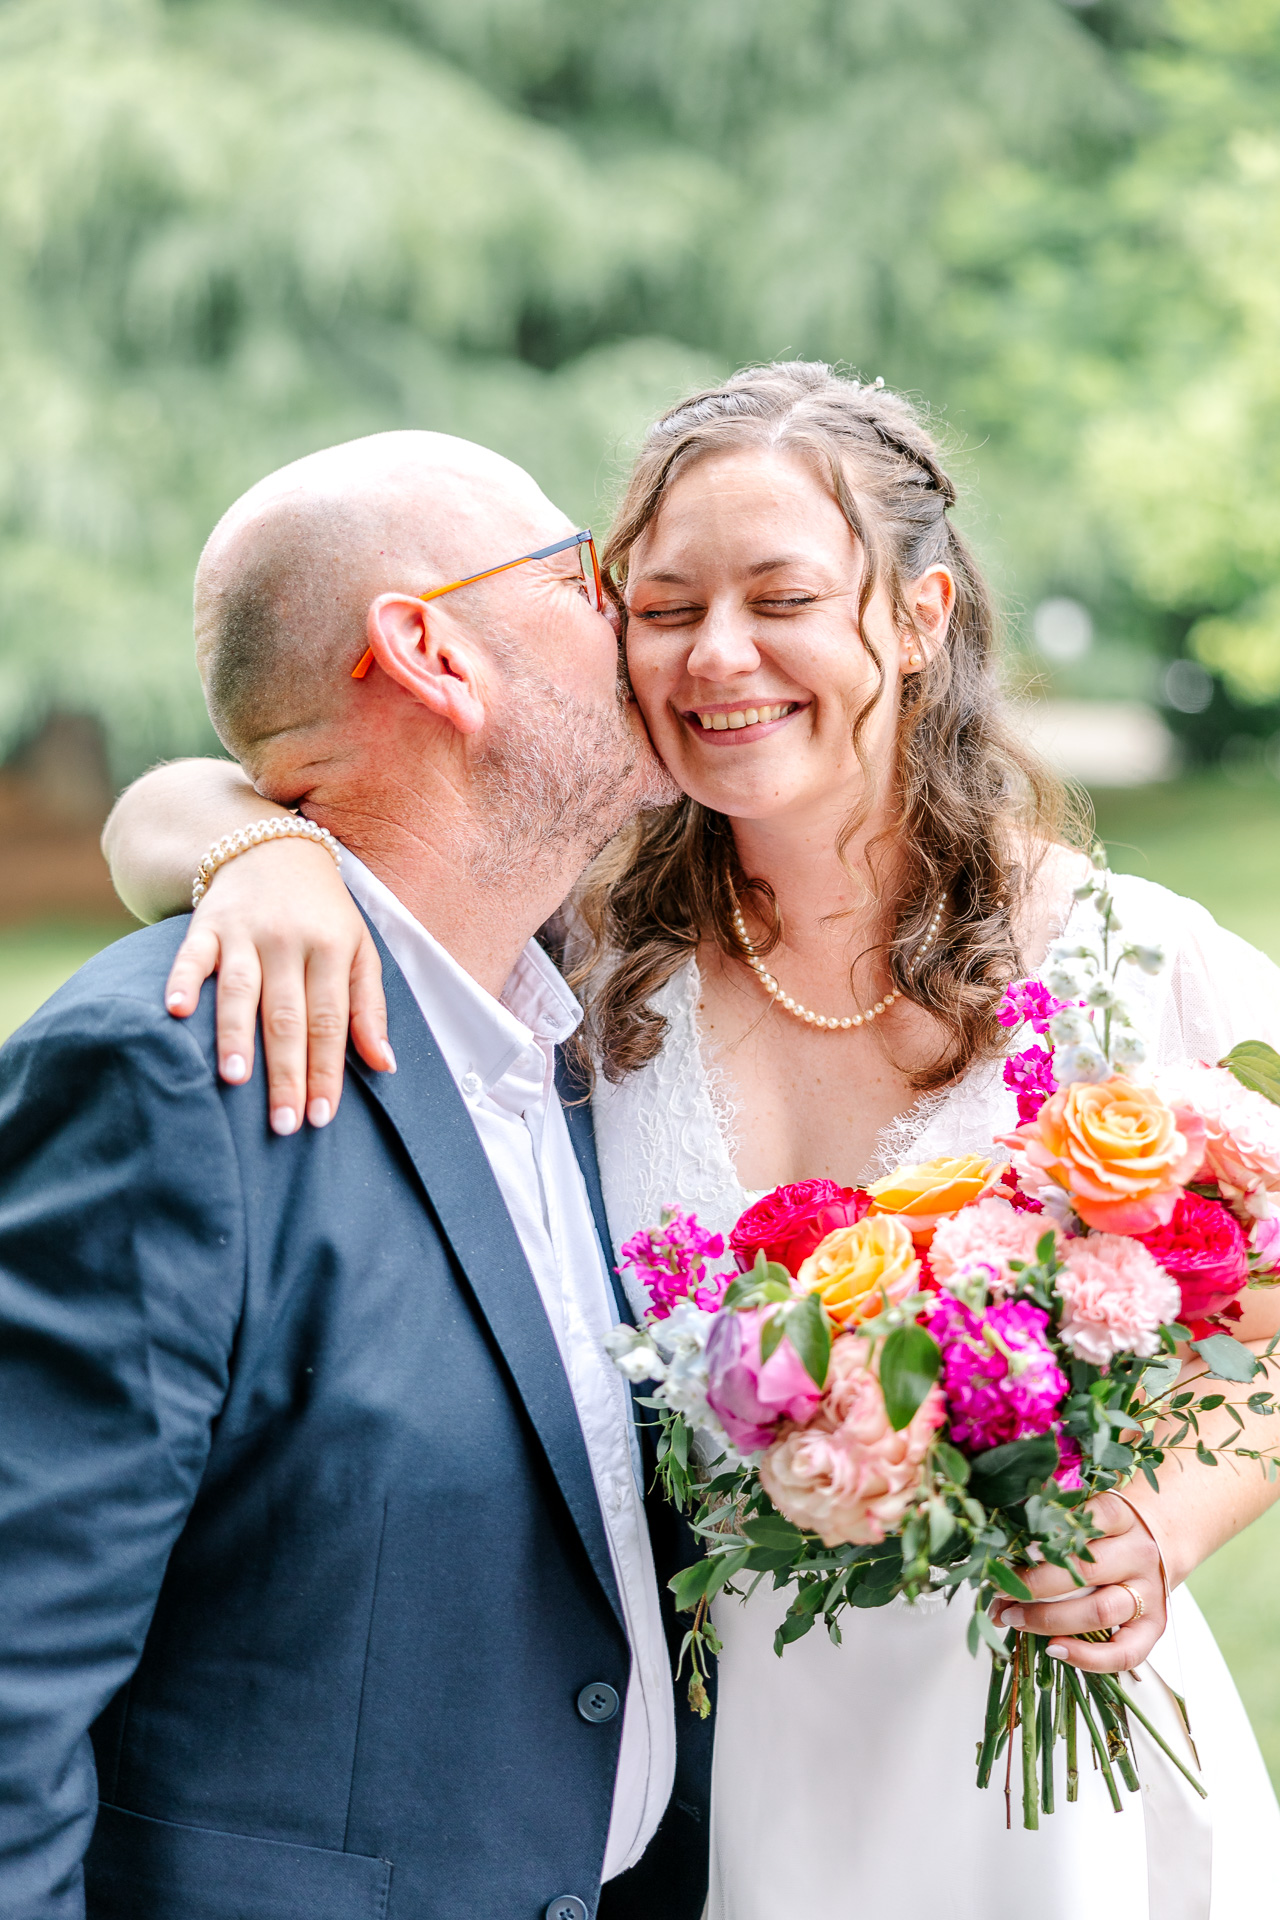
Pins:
x: 896, y: 1138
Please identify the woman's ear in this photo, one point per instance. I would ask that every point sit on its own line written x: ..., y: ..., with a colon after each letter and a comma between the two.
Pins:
x: 930, y: 601
x: 423, y: 652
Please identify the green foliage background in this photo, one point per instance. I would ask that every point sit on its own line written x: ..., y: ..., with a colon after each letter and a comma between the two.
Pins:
x: 232, y: 232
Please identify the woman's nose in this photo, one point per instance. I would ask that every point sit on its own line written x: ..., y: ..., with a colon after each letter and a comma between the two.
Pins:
x: 724, y: 647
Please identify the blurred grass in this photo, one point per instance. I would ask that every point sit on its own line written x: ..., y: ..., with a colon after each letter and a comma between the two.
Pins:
x: 34, y: 962
x: 1203, y: 837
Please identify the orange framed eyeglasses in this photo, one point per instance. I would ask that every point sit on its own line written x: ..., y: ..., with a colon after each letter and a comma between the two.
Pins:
x: 588, y: 561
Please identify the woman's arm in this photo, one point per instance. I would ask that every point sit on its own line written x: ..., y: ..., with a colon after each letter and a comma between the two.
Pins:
x: 1198, y: 1509
x: 277, y: 925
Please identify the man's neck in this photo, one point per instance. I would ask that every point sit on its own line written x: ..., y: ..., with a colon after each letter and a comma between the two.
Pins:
x: 484, y: 926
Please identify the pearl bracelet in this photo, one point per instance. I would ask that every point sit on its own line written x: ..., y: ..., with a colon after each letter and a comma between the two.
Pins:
x: 291, y: 827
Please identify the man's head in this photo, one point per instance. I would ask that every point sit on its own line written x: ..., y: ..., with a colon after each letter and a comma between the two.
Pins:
x: 502, y: 698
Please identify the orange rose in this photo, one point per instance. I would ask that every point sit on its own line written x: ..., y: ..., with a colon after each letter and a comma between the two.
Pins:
x: 921, y: 1196
x: 861, y: 1270
x: 1117, y: 1149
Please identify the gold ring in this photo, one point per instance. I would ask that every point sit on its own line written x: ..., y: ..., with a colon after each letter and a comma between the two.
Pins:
x: 1138, y: 1608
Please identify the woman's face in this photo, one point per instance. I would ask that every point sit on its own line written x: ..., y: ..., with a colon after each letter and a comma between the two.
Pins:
x: 743, y: 642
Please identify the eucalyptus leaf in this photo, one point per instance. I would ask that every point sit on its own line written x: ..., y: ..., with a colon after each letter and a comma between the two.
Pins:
x: 1227, y: 1357
x: 910, y: 1361
x: 772, y: 1531
x: 1256, y: 1066
x: 1005, y: 1578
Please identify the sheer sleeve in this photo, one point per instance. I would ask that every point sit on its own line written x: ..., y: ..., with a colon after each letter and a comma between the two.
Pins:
x: 1215, y: 990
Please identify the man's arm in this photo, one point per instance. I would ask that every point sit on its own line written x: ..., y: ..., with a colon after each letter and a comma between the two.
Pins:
x: 121, y: 1280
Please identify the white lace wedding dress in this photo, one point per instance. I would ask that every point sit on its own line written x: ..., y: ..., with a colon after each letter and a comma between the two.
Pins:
x: 844, y: 1777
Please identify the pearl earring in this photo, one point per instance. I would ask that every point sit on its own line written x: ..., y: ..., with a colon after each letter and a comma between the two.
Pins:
x: 914, y: 661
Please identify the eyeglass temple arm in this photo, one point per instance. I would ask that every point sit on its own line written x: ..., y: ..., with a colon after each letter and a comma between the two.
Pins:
x: 578, y: 539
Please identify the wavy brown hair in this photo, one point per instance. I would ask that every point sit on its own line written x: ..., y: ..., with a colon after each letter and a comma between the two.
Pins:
x: 970, y: 807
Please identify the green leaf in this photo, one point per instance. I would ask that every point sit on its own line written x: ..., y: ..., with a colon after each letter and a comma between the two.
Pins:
x: 1044, y: 1246
x: 1227, y: 1357
x: 951, y: 1462
x: 942, y: 1524
x: 1204, y: 1456
x: 1007, y: 1579
x: 771, y: 1335
x: 1256, y: 1066
x: 910, y: 1361
x: 1004, y: 1476
x: 809, y: 1331
x: 982, y: 1626
x: 691, y: 1584
x: 772, y: 1531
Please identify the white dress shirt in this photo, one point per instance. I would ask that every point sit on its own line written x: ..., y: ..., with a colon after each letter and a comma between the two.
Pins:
x: 501, y: 1054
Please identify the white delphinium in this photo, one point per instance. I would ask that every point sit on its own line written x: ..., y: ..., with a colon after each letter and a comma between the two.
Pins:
x: 1128, y: 1049
x: 634, y: 1355
x: 682, y: 1341
x: 1068, y: 1028
x: 1084, y: 1061
x: 1149, y: 959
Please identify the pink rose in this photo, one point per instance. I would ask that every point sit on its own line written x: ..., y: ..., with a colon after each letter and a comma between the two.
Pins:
x: 1264, y: 1242
x: 1204, y: 1250
x: 1117, y: 1298
x: 1242, y: 1132
x: 790, y: 1222
x: 751, y: 1398
x: 993, y: 1232
x: 850, y: 1477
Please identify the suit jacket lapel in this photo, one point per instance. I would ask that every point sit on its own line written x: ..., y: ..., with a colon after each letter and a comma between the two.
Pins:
x: 573, y: 1090
x: 427, y: 1111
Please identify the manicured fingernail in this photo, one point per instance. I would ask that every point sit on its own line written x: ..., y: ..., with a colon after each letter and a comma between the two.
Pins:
x: 284, y: 1120
x: 175, y: 1001
x: 1056, y: 1650
x: 388, y: 1056
x: 233, y: 1067
x: 319, y: 1113
x: 1012, y: 1617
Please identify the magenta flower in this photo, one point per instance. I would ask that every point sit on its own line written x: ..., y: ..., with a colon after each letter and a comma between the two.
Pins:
x: 671, y: 1263
x: 751, y: 1398
x: 1030, y: 1074
x: 1030, y: 1002
x: 999, y: 1374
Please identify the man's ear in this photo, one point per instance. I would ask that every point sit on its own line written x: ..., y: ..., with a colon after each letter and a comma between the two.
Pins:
x: 423, y: 652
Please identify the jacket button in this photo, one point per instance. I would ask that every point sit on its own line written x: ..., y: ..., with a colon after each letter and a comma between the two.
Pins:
x: 567, y: 1906
x: 597, y: 1703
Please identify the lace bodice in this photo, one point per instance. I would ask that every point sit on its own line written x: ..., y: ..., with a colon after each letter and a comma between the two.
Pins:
x: 666, y: 1134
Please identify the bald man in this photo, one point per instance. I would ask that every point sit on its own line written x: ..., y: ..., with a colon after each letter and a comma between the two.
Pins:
x: 325, y: 1583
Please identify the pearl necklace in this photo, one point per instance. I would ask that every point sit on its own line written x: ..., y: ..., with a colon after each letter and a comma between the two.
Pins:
x: 785, y: 1001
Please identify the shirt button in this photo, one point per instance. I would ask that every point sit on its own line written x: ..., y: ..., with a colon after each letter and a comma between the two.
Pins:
x: 567, y: 1906
x: 471, y: 1085
x: 598, y: 1702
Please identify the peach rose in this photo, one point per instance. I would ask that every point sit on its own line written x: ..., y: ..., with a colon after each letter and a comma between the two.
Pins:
x: 851, y: 1479
x: 1119, y: 1152
x: 858, y: 1270
x: 925, y: 1194
x: 1242, y: 1133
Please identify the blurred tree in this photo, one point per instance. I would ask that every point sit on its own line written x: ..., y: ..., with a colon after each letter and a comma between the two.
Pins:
x: 230, y: 233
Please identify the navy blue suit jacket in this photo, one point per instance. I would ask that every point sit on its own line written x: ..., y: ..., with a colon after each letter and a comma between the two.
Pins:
x: 301, y: 1563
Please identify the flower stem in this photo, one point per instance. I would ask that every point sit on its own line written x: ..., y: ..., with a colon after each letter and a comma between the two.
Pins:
x: 1027, y: 1710
x: 1046, y: 1678
x: 1131, y: 1707
x: 1099, y: 1744
x: 991, y: 1724
x: 1073, y: 1770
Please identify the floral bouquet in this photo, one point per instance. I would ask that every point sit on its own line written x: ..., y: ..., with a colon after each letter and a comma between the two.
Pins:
x: 917, y: 1386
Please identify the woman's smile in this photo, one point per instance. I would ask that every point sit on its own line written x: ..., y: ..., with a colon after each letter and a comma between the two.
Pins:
x: 740, y: 724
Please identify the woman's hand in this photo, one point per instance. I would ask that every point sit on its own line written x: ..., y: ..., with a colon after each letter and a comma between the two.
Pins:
x: 1125, y: 1570
x: 280, y: 929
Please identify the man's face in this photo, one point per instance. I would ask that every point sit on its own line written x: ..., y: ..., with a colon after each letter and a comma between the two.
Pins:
x: 564, y: 756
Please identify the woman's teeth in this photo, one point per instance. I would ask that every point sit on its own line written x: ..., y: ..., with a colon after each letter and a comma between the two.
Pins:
x: 748, y: 717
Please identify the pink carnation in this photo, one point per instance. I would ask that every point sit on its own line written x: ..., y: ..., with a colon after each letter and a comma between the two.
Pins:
x: 1242, y: 1132
x: 850, y: 1477
x: 992, y: 1232
x: 1117, y: 1297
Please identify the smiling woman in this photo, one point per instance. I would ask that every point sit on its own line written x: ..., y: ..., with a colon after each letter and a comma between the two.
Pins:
x: 810, y: 642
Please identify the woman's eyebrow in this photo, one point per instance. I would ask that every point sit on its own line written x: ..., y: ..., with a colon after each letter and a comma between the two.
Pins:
x: 669, y: 578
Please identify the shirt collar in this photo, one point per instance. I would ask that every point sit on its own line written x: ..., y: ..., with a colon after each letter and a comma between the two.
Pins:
x: 476, y: 1033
